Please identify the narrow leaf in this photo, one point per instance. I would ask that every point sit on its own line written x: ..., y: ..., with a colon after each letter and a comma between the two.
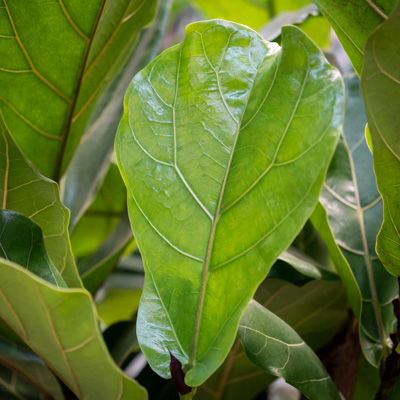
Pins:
x: 354, y: 209
x: 46, y: 318
x: 274, y: 346
x: 209, y: 153
x: 21, y: 241
x: 381, y: 90
x: 24, y: 190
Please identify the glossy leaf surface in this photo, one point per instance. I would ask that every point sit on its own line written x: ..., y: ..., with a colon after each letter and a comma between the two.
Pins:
x: 21, y: 241
x: 22, y: 367
x: 381, y: 90
x: 89, y: 164
x: 58, y: 59
x: 354, y: 209
x: 46, y: 318
x: 274, y: 346
x: 315, y: 310
x: 24, y: 190
x: 215, y: 132
x: 354, y: 21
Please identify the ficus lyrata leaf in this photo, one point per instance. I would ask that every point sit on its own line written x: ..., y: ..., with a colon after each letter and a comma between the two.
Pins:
x: 380, y: 84
x: 354, y: 210
x: 61, y: 326
x: 21, y: 241
x: 57, y: 60
x: 274, y: 346
x: 215, y: 134
x: 24, y: 190
x: 354, y: 21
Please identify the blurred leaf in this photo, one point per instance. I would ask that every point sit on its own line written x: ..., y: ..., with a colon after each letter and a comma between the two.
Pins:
x: 306, y: 18
x: 28, y: 367
x: 253, y: 13
x: 97, y: 267
x: 92, y: 158
x: 354, y: 210
x: 21, y: 241
x: 60, y: 325
x: 368, y: 381
x: 58, y: 62
x: 315, y: 310
x: 102, y: 217
x: 24, y: 190
x: 121, y: 340
x: 189, y: 215
x: 274, y: 346
x: 381, y: 90
x: 118, y: 305
x: 353, y: 22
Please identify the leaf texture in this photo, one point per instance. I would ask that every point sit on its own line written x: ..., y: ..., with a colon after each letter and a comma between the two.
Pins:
x: 24, y: 190
x: 58, y: 59
x: 380, y: 85
x: 216, y: 130
x: 274, y: 346
x: 354, y: 208
x: 46, y: 318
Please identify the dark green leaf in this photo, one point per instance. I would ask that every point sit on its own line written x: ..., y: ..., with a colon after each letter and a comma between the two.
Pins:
x: 24, y: 190
x: 26, y: 366
x: 208, y: 150
x: 354, y: 210
x: 274, y: 346
x: 60, y: 325
x: 21, y: 241
x: 381, y: 91
x: 354, y: 21
x: 58, y: 59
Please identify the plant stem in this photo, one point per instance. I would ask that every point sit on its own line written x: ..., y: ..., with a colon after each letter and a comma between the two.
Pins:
x: 188, y: 396
x: 271, y: 8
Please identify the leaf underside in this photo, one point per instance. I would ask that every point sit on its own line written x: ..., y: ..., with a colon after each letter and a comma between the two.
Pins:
x: 61, y: 326
x: 215, y: 134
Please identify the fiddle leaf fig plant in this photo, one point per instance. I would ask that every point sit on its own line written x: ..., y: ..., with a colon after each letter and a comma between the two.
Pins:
x: 244, y: 228
x: 215, y: 132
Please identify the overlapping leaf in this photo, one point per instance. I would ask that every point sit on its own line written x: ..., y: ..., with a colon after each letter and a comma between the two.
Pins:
x: 274, y: 346
x: 381, y: 90
x: 215, y: 132
x: 27, y: 373
x: 24, y: 190
x: 354, y: 210
x: 354, y: 21
x: 57, y: 60
x: 61, y: 326
x: 21, y: 241
x: 315, y: 310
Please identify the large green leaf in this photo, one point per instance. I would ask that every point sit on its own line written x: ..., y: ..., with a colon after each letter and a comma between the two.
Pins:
x: 60, y: 325
x: 275, y: 347
x: 209, y: 153
x: 24, y: 190
x: 21, y: 241
x: 381, y: 90
x: 354, y: 21
x: 354, y: 210
x: 315, y: 310
x: 90, y: 162
x: 22, y: 366
x: 58, y: 59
